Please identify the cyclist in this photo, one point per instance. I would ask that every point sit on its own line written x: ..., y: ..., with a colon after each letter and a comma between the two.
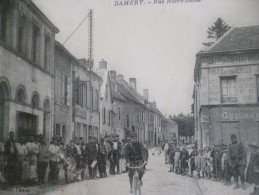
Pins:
x: 136, y: 155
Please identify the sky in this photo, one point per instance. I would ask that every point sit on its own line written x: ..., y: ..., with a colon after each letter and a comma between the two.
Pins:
x: 154, y: 43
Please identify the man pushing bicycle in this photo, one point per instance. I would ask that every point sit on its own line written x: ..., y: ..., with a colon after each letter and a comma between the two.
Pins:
x: 136, y: 155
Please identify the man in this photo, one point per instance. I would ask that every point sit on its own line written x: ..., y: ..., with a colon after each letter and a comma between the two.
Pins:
x: 54, y: 152
x: 237, y: 161
x: 11, y: 159
x: 102, y: 155
x: 184, y: 159
x: 218, y: 156
x: 165, y: 148
x: 135, y: 155
x: 91, y: 151
x: 193, y: 155
x: 116, y: 153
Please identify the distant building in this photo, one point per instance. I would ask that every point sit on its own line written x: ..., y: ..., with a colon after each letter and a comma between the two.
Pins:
x: 106, y: 112
x: 27, y: 39
x: 226, y: 93
x: 169, y: 129
x: 129, y: 107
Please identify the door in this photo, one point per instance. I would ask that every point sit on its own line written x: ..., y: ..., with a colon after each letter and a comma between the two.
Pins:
x: 1, y: 113
x: 228, y: 128
x: 27, y: 124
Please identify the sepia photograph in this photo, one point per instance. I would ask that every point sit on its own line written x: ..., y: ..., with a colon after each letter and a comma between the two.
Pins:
x: 121, y: 97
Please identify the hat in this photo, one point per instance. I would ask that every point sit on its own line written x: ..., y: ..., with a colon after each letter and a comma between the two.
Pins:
x: 133, y: 135
x: 253, y: 144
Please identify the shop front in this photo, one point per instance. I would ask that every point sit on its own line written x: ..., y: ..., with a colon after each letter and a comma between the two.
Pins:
x: 221, y: 122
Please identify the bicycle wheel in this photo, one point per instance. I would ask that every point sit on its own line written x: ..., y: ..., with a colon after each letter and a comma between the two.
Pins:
x: 135, y: 184
x: 139, y: 188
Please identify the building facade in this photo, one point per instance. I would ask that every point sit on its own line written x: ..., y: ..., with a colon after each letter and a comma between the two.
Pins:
x: 26, y: 70
x: 86, y: 101
x: 227, y: 87
x: 63, y: 92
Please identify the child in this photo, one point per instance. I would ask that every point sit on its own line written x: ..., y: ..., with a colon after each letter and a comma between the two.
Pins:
x: 199, y: 162
x: 225, y: 167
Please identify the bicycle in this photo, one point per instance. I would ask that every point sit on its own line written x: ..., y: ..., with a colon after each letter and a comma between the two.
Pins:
x: 136, y: 183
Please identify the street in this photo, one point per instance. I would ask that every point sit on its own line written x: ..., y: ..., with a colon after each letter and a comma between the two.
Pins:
x: 157, y: 181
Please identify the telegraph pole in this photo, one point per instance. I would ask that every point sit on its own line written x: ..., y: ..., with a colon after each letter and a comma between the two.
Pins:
x: 90, y: 44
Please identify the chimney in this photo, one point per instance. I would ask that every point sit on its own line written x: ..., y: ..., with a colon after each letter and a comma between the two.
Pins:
x: 113, y: 75
x: 153, y: 104
x: 145, y: 94
x: 133, y: 84
x: 86, y: 63
x: 103, y: 65
x: 119, y: 77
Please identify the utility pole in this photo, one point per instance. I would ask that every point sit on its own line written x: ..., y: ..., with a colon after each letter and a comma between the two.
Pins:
x: 90, y: 44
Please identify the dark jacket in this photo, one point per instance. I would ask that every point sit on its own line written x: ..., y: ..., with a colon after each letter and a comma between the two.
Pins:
x: 184, y: 154
x: 91, y: 151
x: 237, y: 155
x: 135, y: 152
x: 251, y: 175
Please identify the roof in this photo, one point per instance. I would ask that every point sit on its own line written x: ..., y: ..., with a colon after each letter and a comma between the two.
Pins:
x: 33, y: 6
x: 238, y: 38
x: 104, y: 75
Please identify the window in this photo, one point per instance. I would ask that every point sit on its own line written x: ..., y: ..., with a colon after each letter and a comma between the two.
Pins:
x: 21, y: 35
x: 104, y: 115
x: 127, y: 120
x: 109, y: 115
x: 95, y: 100
x: 35, y: 101
x: 35, y: 49
x: 257, y: 84
x: 228, y: 90
x: 47, y: 52
x: 106, y: 92
x: 119, y: 113
x: 5, y: 23
x: 21, y: 96
x: 61, y: 87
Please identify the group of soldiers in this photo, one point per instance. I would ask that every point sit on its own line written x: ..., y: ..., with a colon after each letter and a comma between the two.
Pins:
x: 218, y: 162
x: 31, y: 161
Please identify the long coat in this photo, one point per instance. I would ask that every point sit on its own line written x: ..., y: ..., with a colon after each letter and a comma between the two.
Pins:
x: 251, y: 175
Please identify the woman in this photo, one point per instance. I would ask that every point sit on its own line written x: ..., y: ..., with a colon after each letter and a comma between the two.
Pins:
x: 33, y: 151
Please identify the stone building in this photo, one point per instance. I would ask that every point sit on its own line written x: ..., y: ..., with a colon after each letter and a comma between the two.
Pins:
x: 169, y: 129
x: 63, y: 92
x: 27, y: 39
x: 85, y: 101
x: 129, y: 107
x: 226, y: 92
x: 154, y: 124
x: 106, y: 112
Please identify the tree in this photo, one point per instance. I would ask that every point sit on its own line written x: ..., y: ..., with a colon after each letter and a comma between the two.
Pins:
x: 217, y: 30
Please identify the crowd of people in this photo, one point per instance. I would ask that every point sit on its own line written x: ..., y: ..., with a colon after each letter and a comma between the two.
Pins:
x: 31, y: 161
x: 218, y: 162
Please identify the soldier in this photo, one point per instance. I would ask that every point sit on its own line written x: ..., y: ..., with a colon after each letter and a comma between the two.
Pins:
x: 91, y: 151
x: 102, y: 155
x: 184, y: 159
x: 237, y: 161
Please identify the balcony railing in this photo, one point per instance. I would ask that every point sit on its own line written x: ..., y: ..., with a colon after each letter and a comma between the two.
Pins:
x: 229, y: 100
